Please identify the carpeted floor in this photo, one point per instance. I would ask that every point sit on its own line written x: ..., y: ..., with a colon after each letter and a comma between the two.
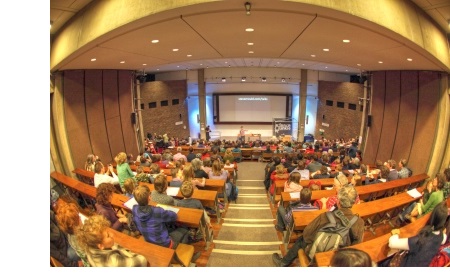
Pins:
x: 247, y: 237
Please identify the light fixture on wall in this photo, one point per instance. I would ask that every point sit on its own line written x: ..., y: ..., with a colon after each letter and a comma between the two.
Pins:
x: 248, y: 6
x: 263, y: 79
x: 283, y: 79
x: 224, y: 79
x: 243, y: 79
x: 361, y: 99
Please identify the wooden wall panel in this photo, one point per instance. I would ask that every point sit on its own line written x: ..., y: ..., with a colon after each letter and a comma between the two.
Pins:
x: 426, y: 125
x: 112, y: 112
x: 125, y: 106
x: 75, y: 115
x: 377, y: 112
x: 390, y: 119
x: 407, y: 115
x: 95, y: 114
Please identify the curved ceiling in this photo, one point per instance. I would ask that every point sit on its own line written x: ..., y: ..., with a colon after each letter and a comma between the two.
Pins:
x: 285, y: 38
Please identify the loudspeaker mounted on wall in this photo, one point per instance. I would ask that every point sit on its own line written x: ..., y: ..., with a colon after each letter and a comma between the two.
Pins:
x: 369, y: 120
x: 133, y: 118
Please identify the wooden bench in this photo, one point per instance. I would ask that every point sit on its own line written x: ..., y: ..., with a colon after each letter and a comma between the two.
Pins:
x: 208, y: 198
x: 377, y: 248
x: 372, y: 213
x: 188, y: 217
x: 216, y: 185
x: 368, y: 192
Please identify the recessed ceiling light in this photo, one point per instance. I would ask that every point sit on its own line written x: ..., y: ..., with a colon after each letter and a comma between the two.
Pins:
x: 144, y: 64
x: 122, y: 62
x: 175, y: 49
x: 226, y: 62
x: 178, y: 66
x: 409, y: 59
x: 224, y: 79
x: 345, y: 41
x: 93, y: 59
x: 326, y: 67
x: 157, y: 69
x: 201, y: 64
x: 249, y: 43
x: 251, y: 52
x: 380, y: 62
x: 326, y: 49
x: 249, y: 30
x: 312, y: 55
x: 155, y: 41
x: 189, y: 55
x: 346, y: 70
x: 283, y: 80
x: 358, y: 65
x: 243, y: 79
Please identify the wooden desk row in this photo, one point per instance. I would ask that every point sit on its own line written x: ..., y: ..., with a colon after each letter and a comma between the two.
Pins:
x: 367, y: 192
x: 208, y: 198
x: 193, y: 218
x: 377, y: 248
x: 372, y: 213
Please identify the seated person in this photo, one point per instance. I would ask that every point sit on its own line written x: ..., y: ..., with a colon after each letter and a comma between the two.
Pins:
x: 332, y: 202
x: 351, y: 257
x: 141, y: 175
x: 284, y: 215
x: 101, y: 176
x: 187, y: 190
x: 176, y: 180
x: 153, y: 222
x: 159, y: 195
x: 382, y: 176
x: 100, y: 247
x: 103, y: 207
x: 321, y: 174
x: 129, y: 185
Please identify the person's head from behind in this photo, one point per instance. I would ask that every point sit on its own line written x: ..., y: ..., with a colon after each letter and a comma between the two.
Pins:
x: 121, y: 158
x: 104, y: 193
x: 363, y: 168
x: 98, y: 168
x: 295, y: 177
x: 68, y: 217
x: 155, y: 169
x: 129, y: 185
x: 139, y: 170
x: 196, y: 164
x: 438, y: 216
x: 305, y: 195
x: 384, y: 172
x: 227, y: 162
x: 279, y: 169
x: 160, y: 183
x: 141, y: 194
x: 339, y: 181
x: 187, y: 189
x: 324, y: 170
x: 301, y: 165
x: 402, y: 163
x: 347, y: 196
x: 350, y: 257
x: 143, y: 159
x: 94, y: 233
x: 188, y: 172
x: 356, y: 180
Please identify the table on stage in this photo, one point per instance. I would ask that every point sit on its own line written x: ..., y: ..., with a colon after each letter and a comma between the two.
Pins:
x: 254, y: 136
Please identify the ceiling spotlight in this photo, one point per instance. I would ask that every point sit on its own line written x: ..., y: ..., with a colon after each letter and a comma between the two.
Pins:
x: 243, y: 79
x: 283, y: 79
x: 224, y: 79
x: 263, y: 79
x: 248, y: 6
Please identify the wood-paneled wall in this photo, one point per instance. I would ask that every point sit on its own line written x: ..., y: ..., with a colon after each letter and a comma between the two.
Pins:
x: 97, y: 108
x: 405, y: 117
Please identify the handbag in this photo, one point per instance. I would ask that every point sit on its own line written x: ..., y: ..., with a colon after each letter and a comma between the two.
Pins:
x: 398, y: 258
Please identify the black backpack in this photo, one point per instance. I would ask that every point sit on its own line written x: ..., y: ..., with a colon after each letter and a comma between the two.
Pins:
x: 232, y: 196
x: 333, y: 235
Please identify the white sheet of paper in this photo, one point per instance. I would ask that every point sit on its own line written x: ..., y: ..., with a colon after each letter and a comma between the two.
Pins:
x: 295, y: 195
x: 414, y: 193
x: 172, y: 191
x: 174, y: 209
x: 130, y: 203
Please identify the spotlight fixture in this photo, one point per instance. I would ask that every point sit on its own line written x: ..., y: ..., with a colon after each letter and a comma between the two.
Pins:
x: 248, y: 6
x: 243, y: 79
x: 283, y: 79
x: 263, y: 79
x: 224, y: 79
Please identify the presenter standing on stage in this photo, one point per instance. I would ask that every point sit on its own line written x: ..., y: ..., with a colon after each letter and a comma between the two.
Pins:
x: 242, y: 134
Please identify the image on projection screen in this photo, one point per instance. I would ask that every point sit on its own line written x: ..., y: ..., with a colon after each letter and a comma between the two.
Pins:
x: 251, y: 108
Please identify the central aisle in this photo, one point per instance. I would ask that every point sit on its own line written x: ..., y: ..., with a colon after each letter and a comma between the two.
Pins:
x: 247, y: 236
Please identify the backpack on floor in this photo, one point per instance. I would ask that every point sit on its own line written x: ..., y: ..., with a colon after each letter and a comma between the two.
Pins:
x: 333, y: 235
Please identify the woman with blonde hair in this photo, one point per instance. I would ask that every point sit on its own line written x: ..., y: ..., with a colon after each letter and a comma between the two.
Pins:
x: 189, y: 175
x: 123, y: 169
